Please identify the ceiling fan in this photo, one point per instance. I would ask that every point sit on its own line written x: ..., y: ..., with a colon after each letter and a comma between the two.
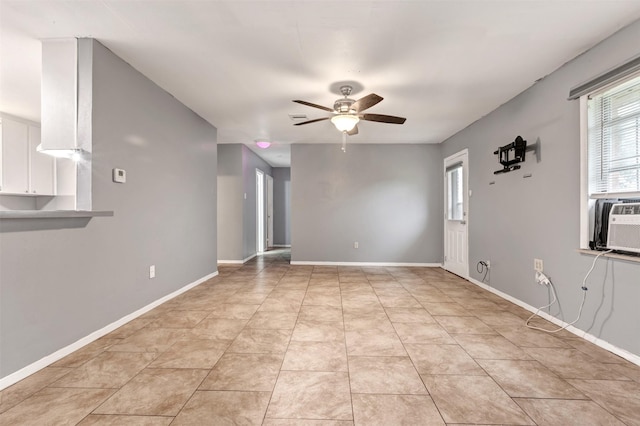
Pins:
x: 348, y: 112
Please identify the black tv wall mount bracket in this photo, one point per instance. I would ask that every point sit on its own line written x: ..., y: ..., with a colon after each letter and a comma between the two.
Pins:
x: 512, y: 154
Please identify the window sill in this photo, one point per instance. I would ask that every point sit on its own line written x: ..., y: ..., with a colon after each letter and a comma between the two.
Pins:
x: 619, y: 195
x: 627, y: 257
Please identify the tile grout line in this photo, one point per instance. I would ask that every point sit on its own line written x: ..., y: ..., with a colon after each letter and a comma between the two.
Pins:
x: 346, y: 350
x: 417, y: 371
x: 275, y: 383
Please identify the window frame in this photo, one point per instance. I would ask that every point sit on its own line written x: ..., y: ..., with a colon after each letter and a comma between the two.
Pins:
x: 587, y: 200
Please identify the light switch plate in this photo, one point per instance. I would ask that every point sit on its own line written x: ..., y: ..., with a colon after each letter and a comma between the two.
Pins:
x: 119, y: 175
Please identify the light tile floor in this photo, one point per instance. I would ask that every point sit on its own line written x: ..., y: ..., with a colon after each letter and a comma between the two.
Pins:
x: 273, y: 344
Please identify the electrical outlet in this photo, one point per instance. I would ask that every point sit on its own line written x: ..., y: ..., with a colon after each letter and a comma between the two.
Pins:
x: 152, y: 271
x: 355, y: 244
x: 538, y: 265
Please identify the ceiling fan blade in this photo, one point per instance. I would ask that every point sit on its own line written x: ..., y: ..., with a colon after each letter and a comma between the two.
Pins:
x: 353, y: 131
x: 313, y: 105
x: 383, y: 118
x: 311, y: 121
x: 366, y: 102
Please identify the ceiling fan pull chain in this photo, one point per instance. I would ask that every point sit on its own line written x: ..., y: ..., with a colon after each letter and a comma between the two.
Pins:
x: 344, y: 141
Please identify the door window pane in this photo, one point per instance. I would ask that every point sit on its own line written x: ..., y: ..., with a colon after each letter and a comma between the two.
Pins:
x: 455, y: 207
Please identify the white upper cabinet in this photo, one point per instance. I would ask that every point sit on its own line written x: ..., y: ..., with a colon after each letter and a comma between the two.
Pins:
x: 15, y: 157
x: 23, y: 170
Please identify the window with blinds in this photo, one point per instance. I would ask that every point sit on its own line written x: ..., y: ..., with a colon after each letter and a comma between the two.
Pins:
x: 614, y: 139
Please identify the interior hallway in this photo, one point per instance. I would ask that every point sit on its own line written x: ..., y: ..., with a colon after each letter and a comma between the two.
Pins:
x: 273, y: 344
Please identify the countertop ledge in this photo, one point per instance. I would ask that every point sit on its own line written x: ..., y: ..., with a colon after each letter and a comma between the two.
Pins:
x: 52, y: 214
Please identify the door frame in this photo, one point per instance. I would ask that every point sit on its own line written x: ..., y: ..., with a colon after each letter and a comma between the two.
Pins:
x: 269, y: 210
x: 460, y: 156
x: 260, y: 212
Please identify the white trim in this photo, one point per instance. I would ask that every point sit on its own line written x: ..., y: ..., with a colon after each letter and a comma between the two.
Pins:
x: 238, y: 262
x: 580, y: 333
x: 633, y: 194
x: 24, y: 372
x: 268, y: 203
x: 615, y: 256
x: 281, y: 245
x: 322, y: 263
x: 584, y: 175
x: 261, y: 237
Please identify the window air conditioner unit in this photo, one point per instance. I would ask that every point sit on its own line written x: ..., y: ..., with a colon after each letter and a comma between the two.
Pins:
x: 624, y: 227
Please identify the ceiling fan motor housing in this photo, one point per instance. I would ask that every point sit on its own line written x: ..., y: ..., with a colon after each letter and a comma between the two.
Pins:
x: 343, y: 106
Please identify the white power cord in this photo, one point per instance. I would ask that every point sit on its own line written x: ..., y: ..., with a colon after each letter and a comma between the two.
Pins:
x: 542, y: 279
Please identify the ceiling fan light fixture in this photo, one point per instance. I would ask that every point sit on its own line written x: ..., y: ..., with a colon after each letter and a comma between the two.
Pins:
x: 345, y: 122
x: 263, y: 144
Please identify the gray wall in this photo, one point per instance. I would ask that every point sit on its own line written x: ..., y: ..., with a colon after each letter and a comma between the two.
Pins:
x: 251, y: 162
x: 282, y: 205
x: 230, y: 201
x: 388, y: 198
x: 63, y: 279
x: 517, y: 219
x: 17, y: 202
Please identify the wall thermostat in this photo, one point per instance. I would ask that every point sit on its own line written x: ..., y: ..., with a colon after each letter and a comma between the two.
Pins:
x: 119, y: 175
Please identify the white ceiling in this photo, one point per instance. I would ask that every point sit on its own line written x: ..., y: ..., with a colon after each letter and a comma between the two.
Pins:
x: 238, y: 64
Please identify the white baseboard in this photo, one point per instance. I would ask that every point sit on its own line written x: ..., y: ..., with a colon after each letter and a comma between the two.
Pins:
x: 61, y: 353
x: 390, y: 264
x: 580, y: 333
x: 237, y: 262
x: 281, y: 245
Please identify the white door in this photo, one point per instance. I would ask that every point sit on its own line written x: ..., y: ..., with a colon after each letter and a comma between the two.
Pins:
x: 269, y: 211
x: 456, y: 217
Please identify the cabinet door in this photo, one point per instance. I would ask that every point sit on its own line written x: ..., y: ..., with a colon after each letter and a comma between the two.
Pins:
x: 15, y: 157
x: 42, y: 166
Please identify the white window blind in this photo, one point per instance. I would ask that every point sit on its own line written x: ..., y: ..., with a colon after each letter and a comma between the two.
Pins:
x: 614, y: 139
